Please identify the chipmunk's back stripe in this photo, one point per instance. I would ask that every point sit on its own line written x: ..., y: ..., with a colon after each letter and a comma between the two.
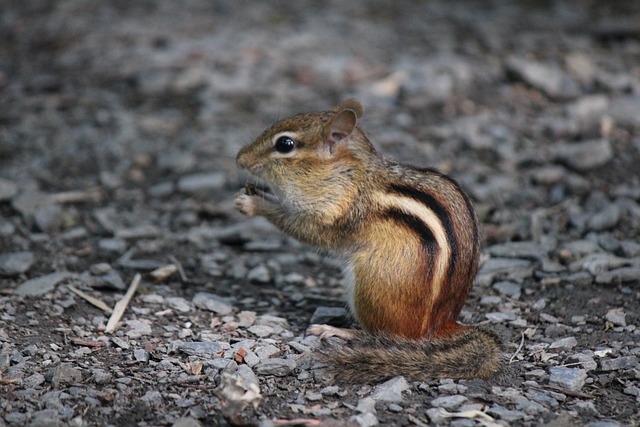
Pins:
x: 418, y: 226
x: 443, y: 215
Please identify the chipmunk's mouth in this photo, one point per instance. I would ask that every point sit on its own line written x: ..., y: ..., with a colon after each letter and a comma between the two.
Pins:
x: 261, y: 190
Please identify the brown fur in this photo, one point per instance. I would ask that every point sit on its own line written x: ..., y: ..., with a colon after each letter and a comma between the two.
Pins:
x: 409, y: 235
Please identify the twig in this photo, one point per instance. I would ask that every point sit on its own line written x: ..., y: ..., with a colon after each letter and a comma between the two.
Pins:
x: 183, y: 276
x: 121, y: 306
x: 513, y: 356
x: 91, y: 300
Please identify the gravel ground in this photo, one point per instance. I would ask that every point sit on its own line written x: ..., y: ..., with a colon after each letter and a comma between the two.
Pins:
x: 119, y: 124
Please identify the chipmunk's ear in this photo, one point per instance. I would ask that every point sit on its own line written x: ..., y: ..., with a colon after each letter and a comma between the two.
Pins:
x: 342, y: 123
x: 351, y: 104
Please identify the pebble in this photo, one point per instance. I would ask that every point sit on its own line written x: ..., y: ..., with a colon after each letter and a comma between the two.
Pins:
x: 212, y: 302
x: 202, y: 348
x: 259, y: 274
x: 199, y: 182
x: 141, y: 355
x: 526, y: 250
x: 449, y: 402
x: 186, y: 422
x: 365, y: 420
x: 618, y: 275
x: 617, y: 316
x: 272, y: 321
x: 64, y: 374
x: 605, y: 218
x: 8, y: 189
x: 510, y: 289
x: 366, y: 404
x: 261, y: 331
x: 138, y: 328
x: 549, y: 78
x: 42, y: 285
x: 624, y: 110
x: 500, y: 265
x: 100, y: 376
x: 570, y: 378
x: 391, y: 390
x: 584, y: 156
x: 564, y: 344
x: 277, y: 367
x: 627, y: 362
x: 15, y: 263
x: 336, y: 316
x: 505, y: 414
x: 179, y: 303
x: 152, y: 398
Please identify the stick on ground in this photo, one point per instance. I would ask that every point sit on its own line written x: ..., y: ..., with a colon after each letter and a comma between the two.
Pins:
x: 121, y: 306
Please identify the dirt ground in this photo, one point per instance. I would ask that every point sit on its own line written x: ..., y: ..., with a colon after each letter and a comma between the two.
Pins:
x: 119, y: 126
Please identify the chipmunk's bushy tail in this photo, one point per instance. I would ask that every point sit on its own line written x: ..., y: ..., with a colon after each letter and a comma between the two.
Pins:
x: 475, y: 352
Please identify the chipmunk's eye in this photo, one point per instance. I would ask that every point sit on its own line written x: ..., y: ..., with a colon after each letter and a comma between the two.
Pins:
x: 284, y: 145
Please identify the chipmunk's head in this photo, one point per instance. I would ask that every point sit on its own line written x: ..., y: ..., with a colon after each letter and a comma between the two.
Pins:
x: 298, y: 155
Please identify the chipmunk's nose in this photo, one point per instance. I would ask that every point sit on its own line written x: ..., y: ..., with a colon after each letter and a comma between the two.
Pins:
x: 241, y: 158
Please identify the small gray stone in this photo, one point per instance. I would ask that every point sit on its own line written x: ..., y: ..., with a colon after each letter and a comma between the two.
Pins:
x: 116, y: 246
x: 202, y: 348
x: 606, y: 218
x: 505, y: 414
x: 8, y: 190
x: 627, y: 362
x: 14, y: 263
x: 617, y: 316
x: 391, y: 391
x: 580, y: 278
x: 42, y: 285
x: 267, y: 351
x: 259, y: 274
x: 138, y: 328
x: 586, y: 361
x: 336, y: 316
x: 500, y: 265
x: 201, y: 182
x: 212, y: 302
x: 100, y: 376
x: 366, y: 404
x: 64, y: 374
x: 45, y: 418
x: 500, y: 317
x: 585, y: 156
x: 564, y: 344
x: 186, y: 422
x: 100, y: 268
x: 571, y: 378
x: 179, y: 303
x: 248, y: 377
x: 525, y: 250
x: 261, y: 331
x: 365, y: 420
x: 549, y: 78
x: 618, y: 275
x: 48, y: 218
x: 153, y: 398
x: 510, y: 289
x: 141, y: 355
x: 278, y: 367
x: 33, y: 381
x: 449, y: 402
x: 624, y: 110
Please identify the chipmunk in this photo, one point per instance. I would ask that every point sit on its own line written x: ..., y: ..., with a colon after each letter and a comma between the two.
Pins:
x: 409, y: 237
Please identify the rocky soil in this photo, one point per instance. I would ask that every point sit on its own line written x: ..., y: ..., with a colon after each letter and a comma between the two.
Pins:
x: 119, y: 124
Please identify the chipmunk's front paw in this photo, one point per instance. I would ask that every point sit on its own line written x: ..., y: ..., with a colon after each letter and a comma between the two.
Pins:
x: 246, y: 204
